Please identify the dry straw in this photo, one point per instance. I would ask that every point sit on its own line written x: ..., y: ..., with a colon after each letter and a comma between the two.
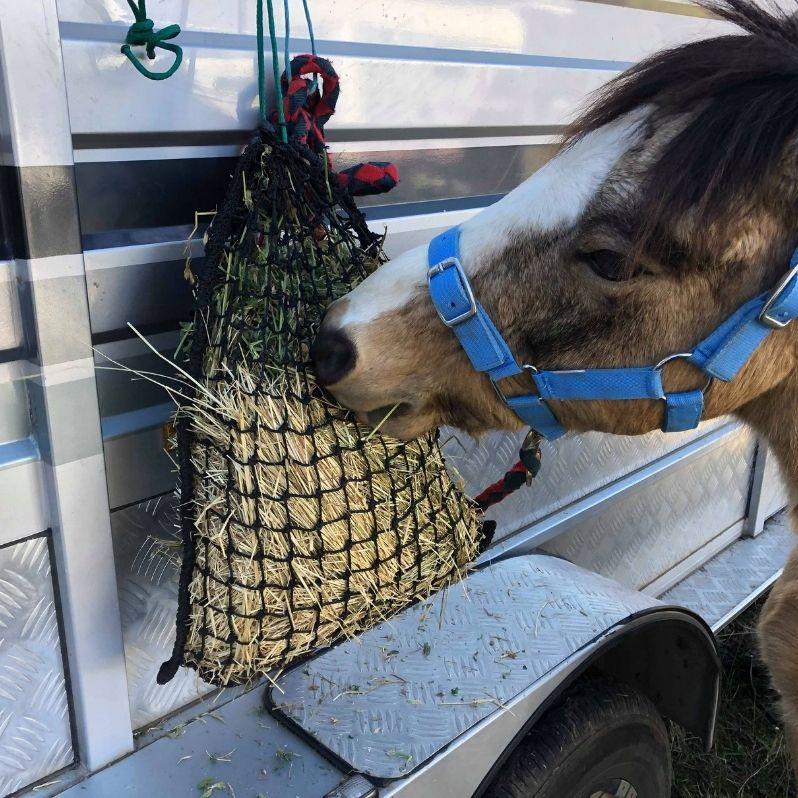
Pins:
x: 300, y: 527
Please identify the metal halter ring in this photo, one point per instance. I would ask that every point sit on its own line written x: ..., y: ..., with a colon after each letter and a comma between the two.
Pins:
x: 500, y: 393
x: 683, y: 356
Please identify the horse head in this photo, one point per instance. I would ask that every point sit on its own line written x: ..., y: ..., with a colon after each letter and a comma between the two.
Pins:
x: 671, y: 202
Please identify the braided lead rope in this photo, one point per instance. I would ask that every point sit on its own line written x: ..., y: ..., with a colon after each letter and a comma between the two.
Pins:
x: 520, y: 474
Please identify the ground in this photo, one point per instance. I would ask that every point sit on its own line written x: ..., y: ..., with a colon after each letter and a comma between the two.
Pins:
x: 749, y: 758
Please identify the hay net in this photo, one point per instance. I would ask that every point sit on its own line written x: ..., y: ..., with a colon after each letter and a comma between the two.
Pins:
x: 299, y: 526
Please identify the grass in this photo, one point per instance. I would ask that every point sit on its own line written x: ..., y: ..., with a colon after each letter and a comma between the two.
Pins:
x: 749, y: 758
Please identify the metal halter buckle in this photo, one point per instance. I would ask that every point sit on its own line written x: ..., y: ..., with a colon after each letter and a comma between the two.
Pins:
x: 500, y: 393
x: 449, y: 263
x: 683, y: 356
x: 764, y: 316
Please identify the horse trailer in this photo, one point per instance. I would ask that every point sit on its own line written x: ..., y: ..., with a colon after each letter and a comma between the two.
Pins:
x: 596, y: 603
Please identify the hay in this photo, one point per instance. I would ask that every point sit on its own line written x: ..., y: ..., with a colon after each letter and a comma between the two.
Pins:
x: 312, y: 559
x: 300, y: 527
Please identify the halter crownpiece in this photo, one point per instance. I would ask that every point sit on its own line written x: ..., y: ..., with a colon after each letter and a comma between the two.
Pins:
x: 720, y: 355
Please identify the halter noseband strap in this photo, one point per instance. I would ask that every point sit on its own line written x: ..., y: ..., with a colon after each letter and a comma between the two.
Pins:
x: 720, y: 355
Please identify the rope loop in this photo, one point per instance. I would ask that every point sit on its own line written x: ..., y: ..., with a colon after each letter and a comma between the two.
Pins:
x: 142, y: 33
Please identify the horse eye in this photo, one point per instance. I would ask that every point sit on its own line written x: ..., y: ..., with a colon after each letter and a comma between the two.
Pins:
x: 608, y: 264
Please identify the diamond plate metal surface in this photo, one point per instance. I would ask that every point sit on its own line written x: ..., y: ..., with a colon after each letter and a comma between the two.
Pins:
x: 572, y: 466
x: 775, y: 493
x: 147, y: 556
x: 640, y: 537
x: 398, y: 694
x: 730, y: 577
x: 35, y: 736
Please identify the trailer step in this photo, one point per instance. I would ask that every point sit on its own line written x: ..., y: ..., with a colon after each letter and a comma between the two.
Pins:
x: 734, y: 578
x: 387, y: 702
x: 235, y: 747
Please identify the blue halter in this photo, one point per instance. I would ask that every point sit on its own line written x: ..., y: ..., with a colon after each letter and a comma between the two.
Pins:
x: 720, y: 355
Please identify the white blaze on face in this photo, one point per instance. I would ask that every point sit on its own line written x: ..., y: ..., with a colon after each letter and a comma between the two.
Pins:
x: 555, y: 197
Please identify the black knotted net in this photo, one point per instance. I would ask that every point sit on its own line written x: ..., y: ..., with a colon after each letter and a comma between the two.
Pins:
x: 299, y: 526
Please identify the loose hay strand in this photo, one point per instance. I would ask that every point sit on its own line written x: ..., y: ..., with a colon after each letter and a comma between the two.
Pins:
x: 301, y: 528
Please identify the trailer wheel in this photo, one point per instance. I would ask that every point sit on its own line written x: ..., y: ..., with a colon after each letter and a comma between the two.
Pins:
x: 602, y: 740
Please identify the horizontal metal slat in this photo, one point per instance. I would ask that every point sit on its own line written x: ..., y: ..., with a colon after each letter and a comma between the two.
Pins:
x: 124, y: 195
x: 143, y: 294
x: 137, y: 467
x: 568, y: 27
x: 217, y: 91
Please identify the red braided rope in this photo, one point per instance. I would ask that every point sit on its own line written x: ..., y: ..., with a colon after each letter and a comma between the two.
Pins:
x: 307, y: 109
x: 514, y: 479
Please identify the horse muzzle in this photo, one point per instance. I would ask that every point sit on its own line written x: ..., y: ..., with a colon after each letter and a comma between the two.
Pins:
x: 333, y: 355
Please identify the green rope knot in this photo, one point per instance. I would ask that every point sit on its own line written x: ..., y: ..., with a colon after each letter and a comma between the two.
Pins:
x: 142, y: 33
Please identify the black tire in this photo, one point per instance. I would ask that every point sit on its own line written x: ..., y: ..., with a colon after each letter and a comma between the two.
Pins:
x: 601, y: 740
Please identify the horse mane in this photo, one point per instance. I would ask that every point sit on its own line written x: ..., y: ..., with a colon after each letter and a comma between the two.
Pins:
x: 739, y: 93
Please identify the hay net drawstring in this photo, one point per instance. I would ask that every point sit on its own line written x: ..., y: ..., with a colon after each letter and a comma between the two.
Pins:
x: 299, y: 527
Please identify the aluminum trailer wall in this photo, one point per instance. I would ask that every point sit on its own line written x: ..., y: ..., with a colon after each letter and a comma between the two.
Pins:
x: 101, y: 175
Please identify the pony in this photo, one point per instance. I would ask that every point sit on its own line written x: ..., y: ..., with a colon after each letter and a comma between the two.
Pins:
x: 672, y: 201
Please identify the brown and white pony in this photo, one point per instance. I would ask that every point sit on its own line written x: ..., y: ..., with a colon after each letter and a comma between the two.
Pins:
x: 673, y: 200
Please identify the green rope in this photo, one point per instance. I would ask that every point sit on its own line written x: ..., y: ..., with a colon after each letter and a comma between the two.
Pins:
x: 287, y: 43
x: 142, y: 33
x: 310, y: 27
x: 261, y: 64
x: 315, y: 83
x: 275, y: 66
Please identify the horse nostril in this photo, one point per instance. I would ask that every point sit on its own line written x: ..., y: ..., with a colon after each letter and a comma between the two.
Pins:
x: 333, y: 356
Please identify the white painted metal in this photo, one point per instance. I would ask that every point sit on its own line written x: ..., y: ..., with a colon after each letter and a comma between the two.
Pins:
x: 75, y: 495
x: 36, y: 116
x: 216, y: 91
x: 561, y: 28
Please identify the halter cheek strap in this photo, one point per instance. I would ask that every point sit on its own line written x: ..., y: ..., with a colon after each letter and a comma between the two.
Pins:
x: 720, y: 355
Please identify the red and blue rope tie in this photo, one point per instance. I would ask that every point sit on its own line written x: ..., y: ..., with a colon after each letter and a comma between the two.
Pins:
x: 308, y: 109
x: 525, y: 469
x: 514, y: 479
x: 374, y: 177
